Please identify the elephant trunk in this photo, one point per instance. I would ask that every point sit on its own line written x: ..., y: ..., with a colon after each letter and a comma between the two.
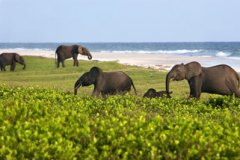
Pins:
x: 168, y: 78
x: 76, y: 86
x: 89, y: 56
x: 24, y: 65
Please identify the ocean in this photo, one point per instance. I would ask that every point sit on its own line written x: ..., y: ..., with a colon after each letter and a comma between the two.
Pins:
x: 156, y: 55
x: 212, y: 49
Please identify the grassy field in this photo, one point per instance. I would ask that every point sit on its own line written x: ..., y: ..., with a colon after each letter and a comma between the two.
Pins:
x: 41, y: 118
x: 42, y: 72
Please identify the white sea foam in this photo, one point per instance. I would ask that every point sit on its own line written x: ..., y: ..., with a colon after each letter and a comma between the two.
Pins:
x: 237, y: 58
x: 222, y: 54
x: 27, y: 49
x: 183, y: 51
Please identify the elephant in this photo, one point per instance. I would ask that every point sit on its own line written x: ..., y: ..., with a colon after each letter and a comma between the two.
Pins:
x: 219, y: 79
x: 11, y: 59
x: 105, y: 83
x: 152, y: 93
x: 64, y: 52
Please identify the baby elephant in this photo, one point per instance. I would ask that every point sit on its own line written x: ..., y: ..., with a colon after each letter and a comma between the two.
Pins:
x: 152, y: 93
x: 105, y: 83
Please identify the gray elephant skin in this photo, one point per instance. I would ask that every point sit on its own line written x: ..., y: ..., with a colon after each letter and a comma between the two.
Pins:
x: 2, y: 64
x: 105, y: 83
x: 11, y: 59
x: 152, y: 93
x: 219, y: 79
x: 64, y: 52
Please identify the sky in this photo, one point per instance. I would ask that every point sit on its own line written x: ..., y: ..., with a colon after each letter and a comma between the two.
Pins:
x: 119, y: 20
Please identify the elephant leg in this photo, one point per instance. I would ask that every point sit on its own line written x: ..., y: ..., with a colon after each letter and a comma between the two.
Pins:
x: 61, y: 59
x: 198, y: 86
x: 233, y: 87
x: 75, y: 60
x: 195, y: 84
x: 95, y: 92
x: 104, y: 96
x: 191, y: 86
x: 3, y: 68
x: 12, y: 68
x: 58, y: 64
x: 63, y: 65
x: 58, y: 60
x: 237, y: 93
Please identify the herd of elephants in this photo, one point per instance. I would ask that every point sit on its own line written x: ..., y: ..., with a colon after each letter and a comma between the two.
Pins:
x: 219, y: 79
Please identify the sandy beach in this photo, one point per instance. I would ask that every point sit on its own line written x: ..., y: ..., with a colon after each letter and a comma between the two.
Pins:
x: 156, y: 61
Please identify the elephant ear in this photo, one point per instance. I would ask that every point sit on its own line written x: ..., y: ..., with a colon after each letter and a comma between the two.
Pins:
x: 85, y: 51
x: 193, y: 69
x: 96, y: 72
x: 80, y: 49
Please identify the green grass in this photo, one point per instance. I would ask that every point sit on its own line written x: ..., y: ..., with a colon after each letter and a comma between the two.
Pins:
x: 42, y: 72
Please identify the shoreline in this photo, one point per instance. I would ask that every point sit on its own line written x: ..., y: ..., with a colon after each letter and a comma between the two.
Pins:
x: 162, y: 62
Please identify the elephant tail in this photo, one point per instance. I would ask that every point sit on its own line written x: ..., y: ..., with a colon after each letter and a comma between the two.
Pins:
x: 56, y: 58
x: 133, y: 87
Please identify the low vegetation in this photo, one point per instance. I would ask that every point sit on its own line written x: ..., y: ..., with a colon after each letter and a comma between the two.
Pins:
x: 41, y: 118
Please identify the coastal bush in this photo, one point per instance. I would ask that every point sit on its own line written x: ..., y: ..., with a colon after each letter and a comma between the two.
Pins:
x: 38, y: 123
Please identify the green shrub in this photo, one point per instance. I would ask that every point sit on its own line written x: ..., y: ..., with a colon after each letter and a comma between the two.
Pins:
x: 50, y: 124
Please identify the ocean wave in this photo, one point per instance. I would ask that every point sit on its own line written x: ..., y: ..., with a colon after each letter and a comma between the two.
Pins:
x: 223, y: 54
x: 184, y: 51
x: 235, y: 58
x: 22, y: 49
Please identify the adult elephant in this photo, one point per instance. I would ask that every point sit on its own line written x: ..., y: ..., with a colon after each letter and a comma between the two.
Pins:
x: 11, y: 59
x: 220, y: 79
x: 105, y: 83
x: 64, y: 52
